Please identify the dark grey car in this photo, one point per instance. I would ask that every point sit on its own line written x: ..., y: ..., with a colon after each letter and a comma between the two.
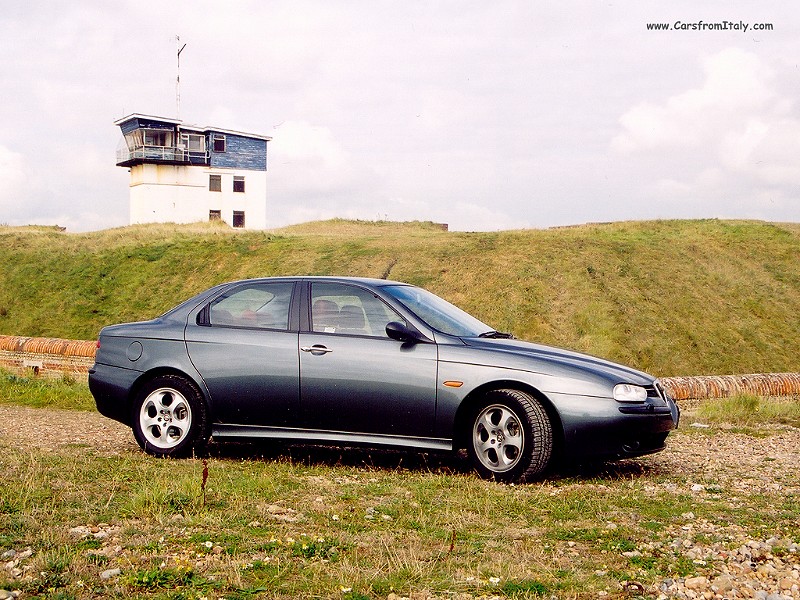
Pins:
x: 364, y: 361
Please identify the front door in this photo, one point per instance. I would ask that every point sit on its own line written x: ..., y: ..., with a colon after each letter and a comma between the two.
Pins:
x: 353, y: 377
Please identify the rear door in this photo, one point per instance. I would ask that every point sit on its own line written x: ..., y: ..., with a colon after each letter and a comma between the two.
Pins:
x: 245, y: 348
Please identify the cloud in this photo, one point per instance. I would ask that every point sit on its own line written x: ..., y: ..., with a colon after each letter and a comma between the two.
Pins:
x: 736, y: 83
x: 727, y: 148
x: 307, y: 161
x: 12, y: 176
x: 466, y: 113
x: 765, y: 149
x: 313, y: 176
x: 299, y: 141
x: 460, y: 215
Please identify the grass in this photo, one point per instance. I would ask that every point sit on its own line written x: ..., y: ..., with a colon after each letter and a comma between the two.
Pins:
x: 669, y: 297
x: 287, y: 522
x: 65, y: 393
x: 748, y: 410
x: 356, y: 531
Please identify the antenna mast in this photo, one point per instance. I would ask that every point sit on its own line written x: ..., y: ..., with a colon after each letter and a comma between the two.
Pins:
x: 178, y: 80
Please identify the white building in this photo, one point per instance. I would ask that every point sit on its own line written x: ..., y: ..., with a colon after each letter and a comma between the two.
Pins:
x: 184, y: 174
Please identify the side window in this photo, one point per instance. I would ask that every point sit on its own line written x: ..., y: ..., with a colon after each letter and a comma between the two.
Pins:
x: 347, y: 309
x: 263, y: 306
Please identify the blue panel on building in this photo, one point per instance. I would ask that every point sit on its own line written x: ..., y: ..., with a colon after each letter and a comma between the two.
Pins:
x: 145, y: 123
x: 240, y: 153
x: 139, y: 123
x: 129, y: 126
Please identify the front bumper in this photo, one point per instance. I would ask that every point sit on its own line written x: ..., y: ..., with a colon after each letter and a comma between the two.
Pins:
x: 606, y: 429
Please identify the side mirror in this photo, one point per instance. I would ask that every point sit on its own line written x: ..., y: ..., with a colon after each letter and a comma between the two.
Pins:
x: 401, y: 332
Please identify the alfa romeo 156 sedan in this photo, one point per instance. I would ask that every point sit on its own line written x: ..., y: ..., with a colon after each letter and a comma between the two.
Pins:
x: 351, y: 361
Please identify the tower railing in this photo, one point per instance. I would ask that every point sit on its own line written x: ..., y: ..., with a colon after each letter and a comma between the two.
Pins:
x: 169, y: 154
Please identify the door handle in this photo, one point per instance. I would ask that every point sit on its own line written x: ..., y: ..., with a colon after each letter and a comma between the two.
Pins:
x: 316, y: 349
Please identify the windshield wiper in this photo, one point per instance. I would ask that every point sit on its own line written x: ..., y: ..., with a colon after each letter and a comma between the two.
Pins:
x: 496, y: 335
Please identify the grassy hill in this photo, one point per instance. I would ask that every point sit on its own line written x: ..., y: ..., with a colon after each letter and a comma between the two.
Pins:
x: 670, y: 297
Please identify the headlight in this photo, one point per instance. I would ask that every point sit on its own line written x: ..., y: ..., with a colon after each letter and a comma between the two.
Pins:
x: 626, y: 392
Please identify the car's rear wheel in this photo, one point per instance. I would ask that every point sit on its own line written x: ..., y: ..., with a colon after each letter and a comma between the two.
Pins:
x: 510, y: 436
x: 169, y: 417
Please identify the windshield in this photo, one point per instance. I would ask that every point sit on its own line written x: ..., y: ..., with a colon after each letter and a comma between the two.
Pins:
x: 438, y: 313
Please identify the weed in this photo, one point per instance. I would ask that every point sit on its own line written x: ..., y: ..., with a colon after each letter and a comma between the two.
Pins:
x: 576, y: 534
x: 619, y: 545
x: 683, y: 566
x: 53, y: 573
x: 319, y: 548
x: 204, y: 480
x: 61, y: 595
x: 158, y: 578
x: 97, y: 559
x: 177, y: 502
x: 524, y: 588
x: 88, y: 544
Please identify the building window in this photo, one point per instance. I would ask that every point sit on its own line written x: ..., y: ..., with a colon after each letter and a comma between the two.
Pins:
x: 215, y: 183
x: 194, y: 142
x: 238, y: 183
x: 219, y: 142
x: 238, y: 218
x: 215, y: 215
x: 157, y: 137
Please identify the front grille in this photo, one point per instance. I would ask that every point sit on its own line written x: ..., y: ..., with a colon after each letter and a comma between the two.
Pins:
x: 656, y: 394
x: 662, y: 390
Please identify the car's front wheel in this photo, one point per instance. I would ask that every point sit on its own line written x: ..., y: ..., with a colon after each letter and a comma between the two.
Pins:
x: 169, y: 417
x: 510, y: 436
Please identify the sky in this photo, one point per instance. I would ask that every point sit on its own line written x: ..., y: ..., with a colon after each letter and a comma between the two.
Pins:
x: 483, y: 115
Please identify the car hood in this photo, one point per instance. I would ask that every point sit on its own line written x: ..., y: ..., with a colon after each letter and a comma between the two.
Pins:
x: 567, y: 359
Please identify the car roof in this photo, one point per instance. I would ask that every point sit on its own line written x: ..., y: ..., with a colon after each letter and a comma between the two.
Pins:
x: 369, y: 281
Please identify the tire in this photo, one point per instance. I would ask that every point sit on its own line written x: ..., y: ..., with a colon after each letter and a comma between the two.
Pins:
x: 169, y: 417
x: 510, y: 437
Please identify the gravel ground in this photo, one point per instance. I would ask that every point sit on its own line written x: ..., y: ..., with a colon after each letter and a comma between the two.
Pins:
x: 52, y: 429
x: 728, y: 465
x: 740, y: 462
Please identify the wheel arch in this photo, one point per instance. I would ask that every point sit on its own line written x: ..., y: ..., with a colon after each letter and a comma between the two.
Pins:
x: 192, y: 438
x: 474, y: 398
x: 148, y: 376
